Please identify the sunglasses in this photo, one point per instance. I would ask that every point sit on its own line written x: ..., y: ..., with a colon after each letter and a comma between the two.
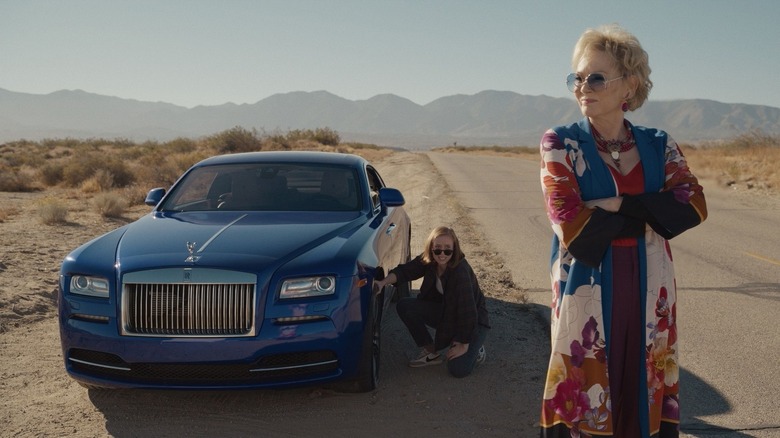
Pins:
x: 596, y: 81
x: 445, y: 251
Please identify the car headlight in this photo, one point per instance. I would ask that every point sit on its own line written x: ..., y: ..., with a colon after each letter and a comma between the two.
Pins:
x: 308, y: 287
x: 86, y: 285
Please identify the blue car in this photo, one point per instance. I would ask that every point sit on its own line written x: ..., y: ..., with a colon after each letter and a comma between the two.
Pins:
x: 254, y: 270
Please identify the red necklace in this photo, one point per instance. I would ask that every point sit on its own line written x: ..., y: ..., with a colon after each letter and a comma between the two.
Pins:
x: 614, y: 147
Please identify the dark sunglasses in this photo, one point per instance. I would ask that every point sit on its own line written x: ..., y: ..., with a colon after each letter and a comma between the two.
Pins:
x: 445, y: 251
x: 596, y: 81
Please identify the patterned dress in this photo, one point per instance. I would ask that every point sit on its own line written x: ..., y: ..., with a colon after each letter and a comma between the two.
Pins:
x: 587, y: 333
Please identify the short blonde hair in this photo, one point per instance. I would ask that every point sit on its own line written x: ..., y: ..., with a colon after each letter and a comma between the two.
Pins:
x: 457, y: 254
x: 624, y: 49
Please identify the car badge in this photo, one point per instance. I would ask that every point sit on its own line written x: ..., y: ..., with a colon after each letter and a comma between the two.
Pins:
x: 192, y: 258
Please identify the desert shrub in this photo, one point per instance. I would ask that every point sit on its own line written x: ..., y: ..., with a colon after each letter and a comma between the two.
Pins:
x: 157, y: 170
x: 295, y: 135
x: 180, y: 145
x: 76, y: 171
x: 119, y: 143
x: 137, y: 151
x: 102, y: 180
x: 52, y: 211
x: 747, y: 160
x: 51, y: 173
x: 19, y: 144
x: 120, y: 172
x: 326, y: 136
x: 184, y: 161
x: 14, y: 180
x: 68, y: 143
x: 23, y: 153
x: 82, y: 167
x: 135, y: 194
x: 27, y: 157
x: 90, y: 185
x: 234, y: 140
x: 276, y: 142
x: 751, y: 140
x: 109, y: 204
x: 150, y: 157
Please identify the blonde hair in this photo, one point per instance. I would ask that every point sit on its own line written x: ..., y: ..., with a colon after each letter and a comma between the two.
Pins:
x: 626, y: 52
x: 457, y: 254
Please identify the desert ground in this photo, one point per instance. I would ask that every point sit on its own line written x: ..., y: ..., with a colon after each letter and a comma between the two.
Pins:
x: 37, y: 398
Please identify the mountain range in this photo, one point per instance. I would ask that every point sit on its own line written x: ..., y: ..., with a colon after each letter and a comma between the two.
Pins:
x: 487, y: 118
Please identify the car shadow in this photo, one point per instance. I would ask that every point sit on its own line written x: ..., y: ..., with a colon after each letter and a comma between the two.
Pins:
x: 504, y: 395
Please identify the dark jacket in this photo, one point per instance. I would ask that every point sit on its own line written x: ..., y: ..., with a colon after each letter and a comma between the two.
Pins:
x: 464, y: 302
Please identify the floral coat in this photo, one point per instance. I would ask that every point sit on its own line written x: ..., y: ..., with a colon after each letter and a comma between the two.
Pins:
x: 577, y: 388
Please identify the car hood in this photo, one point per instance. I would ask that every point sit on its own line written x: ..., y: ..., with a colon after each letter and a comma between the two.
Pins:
x: 238, y: 241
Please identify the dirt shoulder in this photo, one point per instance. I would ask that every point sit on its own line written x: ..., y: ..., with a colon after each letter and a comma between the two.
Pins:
x: 37, y: 398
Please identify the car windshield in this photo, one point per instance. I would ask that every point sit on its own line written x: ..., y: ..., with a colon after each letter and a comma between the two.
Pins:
x: 266, y: 187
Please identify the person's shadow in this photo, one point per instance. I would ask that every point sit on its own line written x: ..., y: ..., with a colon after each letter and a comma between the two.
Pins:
x: 699, y: 399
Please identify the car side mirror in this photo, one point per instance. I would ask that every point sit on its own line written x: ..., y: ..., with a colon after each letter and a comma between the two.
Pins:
x: 154, y: 196
x: 390, y: 197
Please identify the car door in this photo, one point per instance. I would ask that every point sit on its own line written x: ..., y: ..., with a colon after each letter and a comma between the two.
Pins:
x: 392, y: 242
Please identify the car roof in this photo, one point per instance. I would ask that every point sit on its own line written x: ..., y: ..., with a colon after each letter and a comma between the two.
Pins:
x: 318, y: 157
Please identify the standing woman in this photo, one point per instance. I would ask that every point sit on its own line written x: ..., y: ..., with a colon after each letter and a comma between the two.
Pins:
x: 450, y: 301
x: 614, y: 194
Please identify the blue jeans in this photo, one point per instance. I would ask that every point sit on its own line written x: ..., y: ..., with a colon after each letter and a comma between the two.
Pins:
x: 418, y: 315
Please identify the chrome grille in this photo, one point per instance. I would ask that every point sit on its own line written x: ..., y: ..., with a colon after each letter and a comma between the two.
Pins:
x: 185, y: 309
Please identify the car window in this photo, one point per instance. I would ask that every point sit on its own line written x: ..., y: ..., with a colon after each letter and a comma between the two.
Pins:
x: 267, y: 187
x: 374, y: 183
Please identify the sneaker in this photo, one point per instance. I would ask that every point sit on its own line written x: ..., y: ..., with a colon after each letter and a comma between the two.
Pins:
x: 481, y: 355
x: 426, y: 359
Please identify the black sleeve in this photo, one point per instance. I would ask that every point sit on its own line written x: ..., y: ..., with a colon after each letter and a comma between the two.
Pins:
x: 409, y: 271
x: 466, y: 312
x: 597, y: 235
x: 665, y: 214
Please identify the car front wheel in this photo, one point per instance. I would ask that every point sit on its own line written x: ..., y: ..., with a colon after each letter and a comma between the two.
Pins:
x: 404, y: 288
x: 368, y: 378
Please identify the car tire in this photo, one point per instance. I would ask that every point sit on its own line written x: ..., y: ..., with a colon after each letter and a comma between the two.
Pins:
x: 404, y: 289
x: 368, y: 377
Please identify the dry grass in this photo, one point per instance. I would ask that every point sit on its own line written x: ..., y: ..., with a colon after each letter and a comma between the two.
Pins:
x: 747, y: 161
x: 135, y: 194
x: 116, y: 174
x: 52, y: 211
x: 109, y: 204
x: 15, y: 179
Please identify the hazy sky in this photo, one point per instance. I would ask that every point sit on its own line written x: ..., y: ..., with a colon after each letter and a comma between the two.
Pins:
x: 197, y: 52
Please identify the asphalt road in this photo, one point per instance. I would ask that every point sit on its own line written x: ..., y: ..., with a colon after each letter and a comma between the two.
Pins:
x: 728, y: 277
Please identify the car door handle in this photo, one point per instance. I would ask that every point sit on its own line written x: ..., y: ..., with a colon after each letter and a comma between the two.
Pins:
x: 390, y: 229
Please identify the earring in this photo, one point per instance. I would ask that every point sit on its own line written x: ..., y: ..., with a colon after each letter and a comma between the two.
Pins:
x: 624, y: 107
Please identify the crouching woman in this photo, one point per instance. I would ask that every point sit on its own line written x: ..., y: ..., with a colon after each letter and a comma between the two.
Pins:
x: 450, y: 302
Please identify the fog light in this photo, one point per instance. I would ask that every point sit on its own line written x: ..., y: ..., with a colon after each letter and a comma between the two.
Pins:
x: 298, y: 319
x: 90, y: 318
